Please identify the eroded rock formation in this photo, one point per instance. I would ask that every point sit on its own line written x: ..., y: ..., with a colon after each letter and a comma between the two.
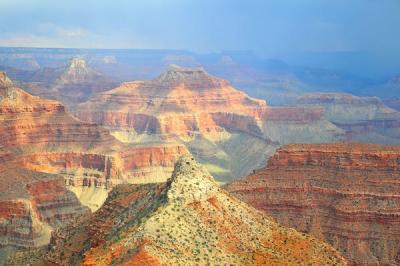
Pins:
x: 188, y: 220
x: 344, y: 194
x: 207, y: 115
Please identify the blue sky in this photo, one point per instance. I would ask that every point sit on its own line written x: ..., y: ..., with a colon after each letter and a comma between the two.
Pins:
x: 268, y: 27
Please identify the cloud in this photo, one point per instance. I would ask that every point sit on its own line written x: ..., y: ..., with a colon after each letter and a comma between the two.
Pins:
x: 52, y: 35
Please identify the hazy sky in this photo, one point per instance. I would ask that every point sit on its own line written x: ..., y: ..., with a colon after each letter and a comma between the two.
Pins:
x: 268, y: 27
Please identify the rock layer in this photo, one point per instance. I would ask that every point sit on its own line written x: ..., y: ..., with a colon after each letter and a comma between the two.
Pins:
x: 344, y: 194
x: 188, y: 220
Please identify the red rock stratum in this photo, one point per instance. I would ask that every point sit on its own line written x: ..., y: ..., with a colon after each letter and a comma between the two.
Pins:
x: 345, y: 194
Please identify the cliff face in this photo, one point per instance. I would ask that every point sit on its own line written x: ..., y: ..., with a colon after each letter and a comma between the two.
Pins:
x: 365, y: 119
x: 344, y: 194
x: 187, y: 220
x: 207, y: 115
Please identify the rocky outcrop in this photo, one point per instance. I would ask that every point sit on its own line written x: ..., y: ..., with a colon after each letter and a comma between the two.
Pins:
x: 365, y: 119
x: 188, y: 220
x: 345, y: 194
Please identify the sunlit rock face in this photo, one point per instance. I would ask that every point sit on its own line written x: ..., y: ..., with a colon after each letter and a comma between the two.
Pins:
x: 344, y: 194
x: 365, y: 119
x: 185, y: 221
x: 228, y: 131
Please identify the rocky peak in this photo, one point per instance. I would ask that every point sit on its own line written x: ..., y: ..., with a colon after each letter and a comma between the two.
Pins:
x: 77, y: 64
x: 187, y: 76
x: 76, y: 70
x: 191, y: 181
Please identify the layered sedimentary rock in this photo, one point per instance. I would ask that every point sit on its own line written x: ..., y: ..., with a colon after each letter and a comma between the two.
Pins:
x: 53, y: 167
x: 188, y: 220
x: 38, y: 135
x: 207, y: 115
x: 365, y: 119
x: 345, y: 194
x: 180, y: 101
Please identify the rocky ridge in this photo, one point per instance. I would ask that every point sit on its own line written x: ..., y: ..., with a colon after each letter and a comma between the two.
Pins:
x: 187, y: 221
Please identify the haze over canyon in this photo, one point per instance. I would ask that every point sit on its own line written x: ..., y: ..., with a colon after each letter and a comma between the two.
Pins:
x: 198, y: 133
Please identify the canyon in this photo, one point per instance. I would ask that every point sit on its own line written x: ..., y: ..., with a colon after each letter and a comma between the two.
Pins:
x: 345, y: 194
x: 225, y: 129
x: 187, y: 220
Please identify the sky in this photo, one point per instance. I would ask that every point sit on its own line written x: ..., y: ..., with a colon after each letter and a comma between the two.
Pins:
x: 267, y: 27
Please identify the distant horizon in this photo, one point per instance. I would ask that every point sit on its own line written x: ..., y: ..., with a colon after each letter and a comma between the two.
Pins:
x: 363, y: 64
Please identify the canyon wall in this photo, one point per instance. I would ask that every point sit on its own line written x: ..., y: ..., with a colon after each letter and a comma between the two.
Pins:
x: 345, y: 194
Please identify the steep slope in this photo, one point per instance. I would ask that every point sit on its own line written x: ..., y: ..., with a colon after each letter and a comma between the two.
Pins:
x: 364, y: 119
x: 189, y: 220
x: 207, y: 115
x: 344, y: 194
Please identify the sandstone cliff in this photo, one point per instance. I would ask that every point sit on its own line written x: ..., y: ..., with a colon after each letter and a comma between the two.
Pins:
x: 189, y: 220
x: 344, y: 194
